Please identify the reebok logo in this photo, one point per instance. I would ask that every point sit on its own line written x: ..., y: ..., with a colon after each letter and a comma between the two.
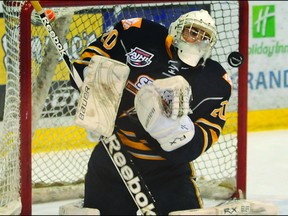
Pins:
x: 128, y: 175
x: 53, y: 35
x: 263, y: 21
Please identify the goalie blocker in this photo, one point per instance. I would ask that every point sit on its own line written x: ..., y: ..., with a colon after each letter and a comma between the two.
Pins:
x: 101, y: 94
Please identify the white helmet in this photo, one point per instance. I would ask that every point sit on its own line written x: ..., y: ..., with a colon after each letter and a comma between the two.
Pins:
x: 191, y: 53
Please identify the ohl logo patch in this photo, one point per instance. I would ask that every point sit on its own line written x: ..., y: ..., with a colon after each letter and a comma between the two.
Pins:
x: 139, y: 58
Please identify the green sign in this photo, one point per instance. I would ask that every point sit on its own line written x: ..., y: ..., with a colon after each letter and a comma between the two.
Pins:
x: 263, y: 21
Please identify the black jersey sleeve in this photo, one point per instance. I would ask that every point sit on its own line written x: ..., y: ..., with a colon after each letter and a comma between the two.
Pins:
x: 209, y: 126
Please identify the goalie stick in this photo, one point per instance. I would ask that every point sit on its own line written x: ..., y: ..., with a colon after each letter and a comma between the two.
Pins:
x: 120, y: 158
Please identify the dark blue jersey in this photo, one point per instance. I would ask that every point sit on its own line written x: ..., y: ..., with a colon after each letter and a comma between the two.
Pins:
x: 146, y: 47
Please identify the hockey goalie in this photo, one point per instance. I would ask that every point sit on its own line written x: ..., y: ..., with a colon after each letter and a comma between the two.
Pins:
x: 163, y: 96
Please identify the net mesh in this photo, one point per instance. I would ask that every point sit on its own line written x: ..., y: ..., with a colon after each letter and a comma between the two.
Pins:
x: 9, y: 131
x: 60, y: 149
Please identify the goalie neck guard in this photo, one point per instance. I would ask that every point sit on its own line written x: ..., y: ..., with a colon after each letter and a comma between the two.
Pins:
x: 201, y: 27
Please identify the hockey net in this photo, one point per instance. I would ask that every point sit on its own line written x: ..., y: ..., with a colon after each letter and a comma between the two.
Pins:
x: 39, y: 141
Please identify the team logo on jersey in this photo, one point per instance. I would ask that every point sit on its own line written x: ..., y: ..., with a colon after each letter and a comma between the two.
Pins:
x: 139, y: 58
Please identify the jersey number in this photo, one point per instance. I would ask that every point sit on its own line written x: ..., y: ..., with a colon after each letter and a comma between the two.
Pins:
x: 220, y: 112
x: 109, y: 39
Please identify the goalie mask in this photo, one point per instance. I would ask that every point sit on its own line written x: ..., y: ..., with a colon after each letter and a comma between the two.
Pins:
x: 194, y: 35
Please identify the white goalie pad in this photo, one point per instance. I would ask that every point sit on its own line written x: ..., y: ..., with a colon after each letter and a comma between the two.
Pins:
x: 101, y: 94
x: 235, y: 207
x: 76, y: 208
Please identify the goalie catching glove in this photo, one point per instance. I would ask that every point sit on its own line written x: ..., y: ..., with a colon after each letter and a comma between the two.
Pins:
x: 100, y: 96
x: 166, y: 119
x: 176, y: 94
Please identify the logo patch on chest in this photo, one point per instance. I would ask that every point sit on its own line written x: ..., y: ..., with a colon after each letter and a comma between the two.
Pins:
x: 139, y: 58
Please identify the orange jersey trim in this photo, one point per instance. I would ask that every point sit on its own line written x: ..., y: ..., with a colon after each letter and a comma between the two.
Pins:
x: 205, y: 141
x: 214, y: 136
x: 133, y: 22
x: 206, y: 122
x: 132, y: 144
x: 168, y: 43
x: 146, y: 157
x: 96, y: 49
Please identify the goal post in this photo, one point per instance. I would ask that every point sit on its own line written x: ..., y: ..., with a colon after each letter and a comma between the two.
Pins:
x: 242, y: 99
x: 42, y: 149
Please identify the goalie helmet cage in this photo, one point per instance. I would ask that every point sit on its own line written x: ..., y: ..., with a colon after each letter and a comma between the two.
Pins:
x: 41, y: 147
